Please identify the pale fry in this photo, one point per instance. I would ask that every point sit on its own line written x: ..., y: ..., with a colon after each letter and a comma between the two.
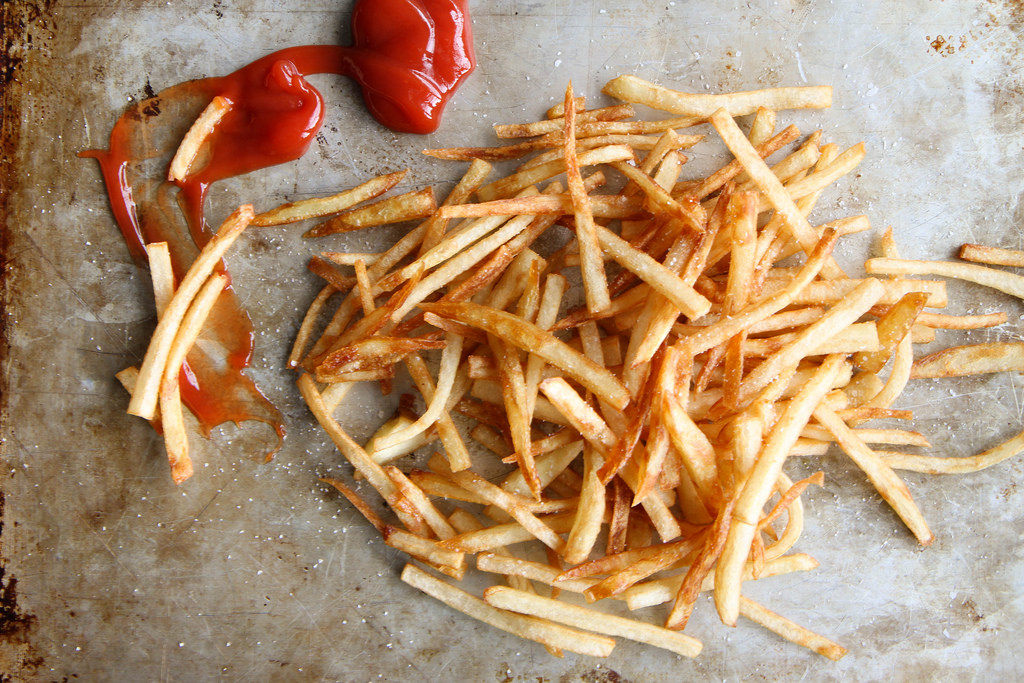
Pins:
x: 990, y: 277
x: 638, y: 91
x: 951, y: 465
x: 197, y: 134
x: 885, y: 481
x: 592, y: 620
x: 531, y: 628
x: 144, y: 399
x: 975, y: 359
x: 790, y: 630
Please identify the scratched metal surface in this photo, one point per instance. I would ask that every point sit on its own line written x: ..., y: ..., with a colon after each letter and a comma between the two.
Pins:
x: 256, y: 572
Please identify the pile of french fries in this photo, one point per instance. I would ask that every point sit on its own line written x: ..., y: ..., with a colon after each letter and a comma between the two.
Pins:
x: 626, y: 440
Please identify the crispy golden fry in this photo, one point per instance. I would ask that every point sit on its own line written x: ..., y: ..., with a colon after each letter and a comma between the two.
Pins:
x: 539, y: 342
x: 397, y: 209
x: 595, y: 284
x: 993, y: 256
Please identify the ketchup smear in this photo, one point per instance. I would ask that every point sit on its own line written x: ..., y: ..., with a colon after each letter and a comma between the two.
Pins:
x: 408, y: 56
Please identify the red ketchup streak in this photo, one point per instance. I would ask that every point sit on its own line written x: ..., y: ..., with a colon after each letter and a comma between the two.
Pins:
x: 408, y: 56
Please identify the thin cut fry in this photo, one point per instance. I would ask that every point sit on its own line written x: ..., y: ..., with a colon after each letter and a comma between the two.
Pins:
x: 527, y: 627
x: 144, y: 399
x: 197, y: 134
x: 591, y: 620
x: 638, y: 91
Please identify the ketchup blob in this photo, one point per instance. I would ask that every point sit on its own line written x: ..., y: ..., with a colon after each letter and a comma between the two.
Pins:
x: 408, y: 57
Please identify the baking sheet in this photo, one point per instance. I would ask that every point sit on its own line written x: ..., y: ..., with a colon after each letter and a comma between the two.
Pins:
x: 255, y: 571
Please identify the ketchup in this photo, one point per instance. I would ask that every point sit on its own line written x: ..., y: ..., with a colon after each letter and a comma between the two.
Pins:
x: 408, y: 56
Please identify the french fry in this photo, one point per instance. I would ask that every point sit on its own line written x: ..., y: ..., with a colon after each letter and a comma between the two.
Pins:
x: 992, y: 256
x: 975, y: 359
x: 990, y: 277
x: 539, y: 342
x: 790, y: 630
x: 144, y: 398
x: 953, y: 465
x: 595, y: 284
x: 591, y: 620
x: 318, y: 207
x: 638, y: 91
x: 531, y: 628
x: 196, y: 136
x: 886, y: 482
x: 175, y: 438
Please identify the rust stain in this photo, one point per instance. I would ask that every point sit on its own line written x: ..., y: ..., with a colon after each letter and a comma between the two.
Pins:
x: 26, y: 26
x: 17, y: 658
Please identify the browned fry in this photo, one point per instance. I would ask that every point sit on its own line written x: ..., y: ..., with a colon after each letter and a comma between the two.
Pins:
x: 324, y: 269
x: 373, y: 353
x: 993, y: 256
x: 622, y: 501
x: 650, y: 561
x: 539, y: 342
x: 357, y: 502
x: 551, y: 125
x: 892, y: 327
x: 397, y: 209
x: 690, y: 588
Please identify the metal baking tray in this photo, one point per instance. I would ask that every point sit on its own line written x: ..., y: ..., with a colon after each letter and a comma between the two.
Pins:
x: 254, y: 571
